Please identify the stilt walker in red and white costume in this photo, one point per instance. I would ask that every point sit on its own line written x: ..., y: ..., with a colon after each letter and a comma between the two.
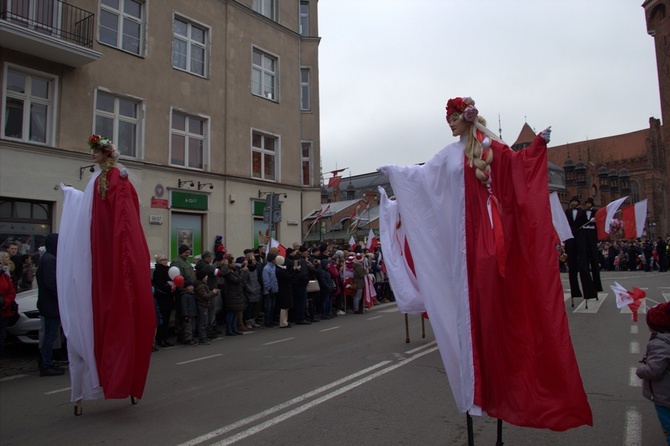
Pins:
x: 491, y: 287
x: 104, y: 284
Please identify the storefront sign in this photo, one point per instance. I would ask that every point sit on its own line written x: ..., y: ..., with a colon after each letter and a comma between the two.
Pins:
x: 185, y: 200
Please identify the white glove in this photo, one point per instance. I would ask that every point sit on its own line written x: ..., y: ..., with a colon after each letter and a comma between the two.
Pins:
x: 124, y: 172
x: 546, y: 134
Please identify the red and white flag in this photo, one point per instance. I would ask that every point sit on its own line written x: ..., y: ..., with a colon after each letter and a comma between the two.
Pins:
x: 352, y: 243
x: 281, y: 249
x: 318, y: 216
x: 633, y: 219
x: 604, y: 218
x: 631, y: 298
x: 372, y: 241
x: 559, y: 219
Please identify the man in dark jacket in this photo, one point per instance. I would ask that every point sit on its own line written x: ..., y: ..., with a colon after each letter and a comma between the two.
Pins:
x: 47, y: 304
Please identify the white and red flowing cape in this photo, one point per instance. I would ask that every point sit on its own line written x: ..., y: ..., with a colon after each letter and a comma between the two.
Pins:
x: 104, y: 288
x: 504, y: 341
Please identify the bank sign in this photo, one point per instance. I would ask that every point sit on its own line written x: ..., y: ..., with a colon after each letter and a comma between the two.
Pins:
x: 185, y: 200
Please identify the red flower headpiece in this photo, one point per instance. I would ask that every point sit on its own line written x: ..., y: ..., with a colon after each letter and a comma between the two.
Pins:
x: 100, y: 142
x: 462, y: 106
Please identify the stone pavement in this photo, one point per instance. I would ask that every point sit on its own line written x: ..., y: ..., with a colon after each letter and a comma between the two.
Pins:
x: 19, y: 359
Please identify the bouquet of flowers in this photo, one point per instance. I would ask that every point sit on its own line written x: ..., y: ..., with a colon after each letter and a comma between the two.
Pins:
x: 616, y: 228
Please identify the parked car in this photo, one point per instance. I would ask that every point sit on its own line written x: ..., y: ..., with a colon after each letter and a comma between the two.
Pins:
x: 27, y: 327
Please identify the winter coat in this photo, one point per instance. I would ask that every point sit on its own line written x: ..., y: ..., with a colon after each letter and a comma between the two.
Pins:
x: 203, y: 294
x: 270, y: 284
x: 254, y: 288
x: 160, y: 280
x: 655, y: 372
x: 188, y: 304
x: 8, y: 295
x: 359, y: 275
x: 234, y: 298
x: 211, y: 273
x: 285, y: 282
x: 325, y: 281
x: 47, y: 293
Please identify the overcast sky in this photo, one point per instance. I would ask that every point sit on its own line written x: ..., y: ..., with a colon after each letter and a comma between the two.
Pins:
x: 387, y: 68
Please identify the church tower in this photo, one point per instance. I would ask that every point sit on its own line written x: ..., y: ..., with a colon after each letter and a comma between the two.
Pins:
x: 658, y: 26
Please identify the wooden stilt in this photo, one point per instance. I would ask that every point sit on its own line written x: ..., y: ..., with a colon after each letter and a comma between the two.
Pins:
x: 423, y: 327
x: 499, y: 441
x: 471, y: 435
x: 406, y: 330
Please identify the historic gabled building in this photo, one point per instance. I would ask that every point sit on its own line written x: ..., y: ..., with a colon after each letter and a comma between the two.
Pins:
x: 213, y: 105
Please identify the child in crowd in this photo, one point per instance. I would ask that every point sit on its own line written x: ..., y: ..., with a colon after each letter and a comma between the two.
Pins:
x: 655, y: 367
x: 189, y: 312
x: 204, y: 298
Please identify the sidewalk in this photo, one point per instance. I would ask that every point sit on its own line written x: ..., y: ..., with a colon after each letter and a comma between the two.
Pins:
x: 19, y: 359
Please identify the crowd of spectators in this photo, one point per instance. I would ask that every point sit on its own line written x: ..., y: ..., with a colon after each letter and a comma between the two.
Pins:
x: 263, y: 288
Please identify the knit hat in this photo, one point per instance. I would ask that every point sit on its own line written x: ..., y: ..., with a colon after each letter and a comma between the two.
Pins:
x: 658, y: 318
x: 188, y: 282
x: 240, y: 260
x: 279, y: 261
x: 183, y: 249
x: 359, y: 256
x: 274, y: 251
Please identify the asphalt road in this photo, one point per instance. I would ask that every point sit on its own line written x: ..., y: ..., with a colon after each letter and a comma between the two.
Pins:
x: 350, y: 380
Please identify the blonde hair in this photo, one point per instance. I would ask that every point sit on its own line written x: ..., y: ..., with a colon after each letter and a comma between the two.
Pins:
x: 103, y: 184
x: 479, y: 157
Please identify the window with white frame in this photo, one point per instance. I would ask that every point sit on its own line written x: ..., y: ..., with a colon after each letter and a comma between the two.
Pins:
x: 29, y: 106
x: 264, y: 150
x: 304, y: 18
x: 306, y: 163
x: 118, y: 118
x: 121, y: 24
x: 189, y: 46
x: 266, y: 7
x: 188, y: 140
x: 264, y: 75
x: 304, y: 89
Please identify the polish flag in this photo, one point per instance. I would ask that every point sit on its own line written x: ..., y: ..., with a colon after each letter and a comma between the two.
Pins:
x: 281, y: 249
x: 372, y: 241
x: 352, y: 243
x: 604, y: 218
x: 633, y: 219
x: 631, y: 298
x: 559, y: 219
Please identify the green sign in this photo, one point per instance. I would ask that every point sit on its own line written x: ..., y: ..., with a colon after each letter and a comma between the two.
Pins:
x: 185, y: 200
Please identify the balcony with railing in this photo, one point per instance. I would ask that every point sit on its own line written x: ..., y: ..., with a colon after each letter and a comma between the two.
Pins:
x: 49, y: 29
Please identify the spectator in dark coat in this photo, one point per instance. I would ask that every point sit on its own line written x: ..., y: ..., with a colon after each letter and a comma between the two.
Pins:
x: 233, y: 301
x: 164, y: 295
x: 47, y: 304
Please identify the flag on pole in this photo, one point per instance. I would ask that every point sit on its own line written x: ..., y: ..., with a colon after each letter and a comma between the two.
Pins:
x: 631, y: 298
x: 319, y: 214
x: 281, y: 249
x: 604, y: 218
x: 372, y: 241
x: 633, y: 219
x: 334, y: 182
x: 352, y: 243
x: 558, y: 217
x: 355, y: 219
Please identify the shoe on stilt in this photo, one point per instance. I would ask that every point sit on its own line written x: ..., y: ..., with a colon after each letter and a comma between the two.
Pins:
x: 77, y: 410
x: 134, y: 400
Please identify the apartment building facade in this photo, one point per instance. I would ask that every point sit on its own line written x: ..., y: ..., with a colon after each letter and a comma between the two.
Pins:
x: 212, y: 104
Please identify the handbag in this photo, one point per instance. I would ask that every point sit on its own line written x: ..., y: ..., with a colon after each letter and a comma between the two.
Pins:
x: 313, y: 286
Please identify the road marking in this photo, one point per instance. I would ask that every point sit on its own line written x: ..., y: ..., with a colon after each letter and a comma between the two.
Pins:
x: 279, y: 407
x: 298, y: 410
x: 199, y: 359
x: 390, y: 310
x: 634, y: 329
x: 633, y: 428
x: 633, y: 380
x: 9, y: 378
x: 331, y: 328
x: 277, y: 342
x: 58, y: 391
x: 635, y: 347
x: 430, y: 344
x: 666, y: 295
x: 373, y: 318
x: 594, y: 305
